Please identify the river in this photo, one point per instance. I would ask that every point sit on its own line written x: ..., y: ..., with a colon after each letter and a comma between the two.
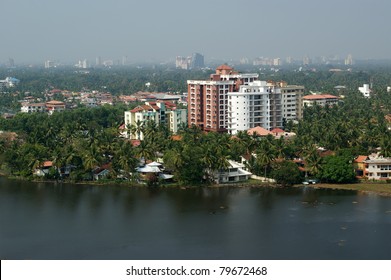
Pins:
x: 65, y: 221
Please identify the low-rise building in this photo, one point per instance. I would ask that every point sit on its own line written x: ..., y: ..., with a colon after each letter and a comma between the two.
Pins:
x: 235, y: 172
x: 49, y: 107
x: 378, y: 167
x: 54, y: 106
x: 162, y: 113
x: 320, y: 99
x: 365, y: 90
x: 33, y: 107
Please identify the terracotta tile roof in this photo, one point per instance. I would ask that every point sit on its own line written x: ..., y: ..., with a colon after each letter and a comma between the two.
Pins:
x: 361, y: 159
x: 260, y: 131
x: 224, y: 67
x: 176, y: 137
x: 319, y: 96
x: 55, y: 102
x: 277, y: 130
x: 141, y: 108
x: 135, y: 142
x: 47, y: 163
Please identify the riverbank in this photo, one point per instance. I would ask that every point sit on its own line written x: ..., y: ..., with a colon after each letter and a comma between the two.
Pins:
x: 367, y: 187
x: 380, y: 188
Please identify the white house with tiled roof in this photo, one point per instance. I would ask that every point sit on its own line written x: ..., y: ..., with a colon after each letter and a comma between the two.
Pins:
x: 162, y: 113
x: 378, y: 167
x: 320, y: 99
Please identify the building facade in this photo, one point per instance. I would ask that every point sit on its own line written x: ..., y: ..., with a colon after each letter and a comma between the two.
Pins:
x: 249, y: 107
x: 232, y: 102
x: 378, y: 168
x: 208, y: 100
x: 320, y: 99
x: 162, y: 113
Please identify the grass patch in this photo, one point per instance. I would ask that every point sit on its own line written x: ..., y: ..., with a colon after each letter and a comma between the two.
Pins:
x: 373, y: 187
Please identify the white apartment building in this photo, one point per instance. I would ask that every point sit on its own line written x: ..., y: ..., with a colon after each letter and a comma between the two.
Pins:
x: 162, y: 113
x: 264, y: 104
x: 378, y: 168
x: 249, y: 107
x: 33, y: 107
x: 365, y: 90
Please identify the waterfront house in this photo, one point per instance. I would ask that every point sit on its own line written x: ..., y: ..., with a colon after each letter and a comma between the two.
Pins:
x: 234, y: 173
x: 101, y: 172
x: 378, y: 167
x: 360, y: 166
x: 43, y: 169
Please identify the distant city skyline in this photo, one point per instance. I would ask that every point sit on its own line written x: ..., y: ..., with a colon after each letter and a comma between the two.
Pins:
x: 156, y: 31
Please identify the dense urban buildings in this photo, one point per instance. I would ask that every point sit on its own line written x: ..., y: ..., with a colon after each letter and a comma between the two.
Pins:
x: 232, y: 101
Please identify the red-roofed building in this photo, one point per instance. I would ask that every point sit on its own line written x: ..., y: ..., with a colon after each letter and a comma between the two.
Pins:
x: 320, y: 99
x: 259, y: 131
x: 164, y: 113
x: 360, y: 166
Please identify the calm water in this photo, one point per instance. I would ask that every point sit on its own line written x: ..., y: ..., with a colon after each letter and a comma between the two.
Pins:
x: 60, y: 221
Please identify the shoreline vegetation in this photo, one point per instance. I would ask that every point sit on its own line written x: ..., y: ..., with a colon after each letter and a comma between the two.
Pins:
x: 378, y: 188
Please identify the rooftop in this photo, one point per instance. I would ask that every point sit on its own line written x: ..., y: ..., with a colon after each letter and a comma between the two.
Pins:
x: 320, y: 96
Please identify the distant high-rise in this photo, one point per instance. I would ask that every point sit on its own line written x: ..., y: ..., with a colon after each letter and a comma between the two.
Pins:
x: 306, y: 60
x: 183, y: 62
x: 11, y: 62
x: 190, y: 62
x: 197, y: 61
x: 49, y: 64
x: 98, y: 61
x: 349, y: 60
x: 124, y: 60
x: 277, y: 62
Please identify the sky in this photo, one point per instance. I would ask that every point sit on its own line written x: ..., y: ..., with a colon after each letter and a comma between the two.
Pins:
x: 159, y: 30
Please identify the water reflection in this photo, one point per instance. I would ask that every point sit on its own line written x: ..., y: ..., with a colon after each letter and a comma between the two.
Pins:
x: 64, y: 221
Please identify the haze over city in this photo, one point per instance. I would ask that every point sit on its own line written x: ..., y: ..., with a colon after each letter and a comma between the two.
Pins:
x: 150, y: 30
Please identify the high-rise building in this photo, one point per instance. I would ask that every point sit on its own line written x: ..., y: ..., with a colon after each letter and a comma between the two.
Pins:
x: 11, y: 63
x: 98, y: 61
x: 208, y: 100
x: 183, y: 62
x: 197, y: 61
x: 306, y: 60
x: 124, y: 60
x: 349, y: 60
x: 249, y: 107
x: 49, y: 64
x: 190, y: 62
x: 264, y: 104
x: 231, y: 101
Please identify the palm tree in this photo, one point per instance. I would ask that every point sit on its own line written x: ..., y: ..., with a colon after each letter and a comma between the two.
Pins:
x: 312, y: 160
x: 145, y: 151
x: 265, y: 155
x: 91, y: 158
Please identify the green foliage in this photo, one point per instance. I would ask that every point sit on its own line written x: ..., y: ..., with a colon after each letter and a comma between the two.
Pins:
x: 337, y: 169
x: 87, y: 137
x: 286, y: 173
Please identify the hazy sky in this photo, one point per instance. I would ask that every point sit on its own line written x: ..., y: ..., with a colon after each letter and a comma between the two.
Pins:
x: 68, y: 30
